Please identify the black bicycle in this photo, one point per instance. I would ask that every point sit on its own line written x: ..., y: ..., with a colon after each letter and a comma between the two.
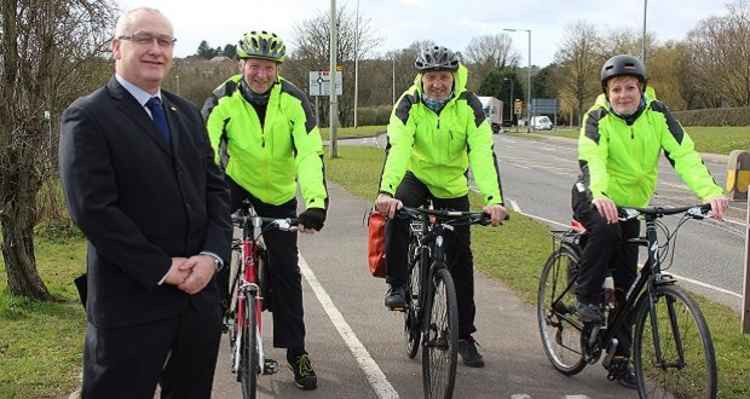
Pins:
x: 673, y: 353
x: 431, y: 314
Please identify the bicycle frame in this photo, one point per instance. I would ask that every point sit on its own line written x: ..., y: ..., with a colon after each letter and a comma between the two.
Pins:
x: 432, y: 255
x: 246, y: 283
x: 427, y: 226
x: 650, y: 277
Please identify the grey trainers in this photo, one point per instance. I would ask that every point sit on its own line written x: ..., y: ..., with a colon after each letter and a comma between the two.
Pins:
x: 588, y: 313
x: 467, y: 348
x: 395, y: 298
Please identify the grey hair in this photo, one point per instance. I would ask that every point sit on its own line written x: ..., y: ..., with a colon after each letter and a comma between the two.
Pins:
x: 125, y: 22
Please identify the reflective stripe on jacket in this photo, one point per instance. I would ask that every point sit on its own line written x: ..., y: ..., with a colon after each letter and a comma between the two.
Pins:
x: 620, y: 160
x: 438, y: 149
x: 267, y: 161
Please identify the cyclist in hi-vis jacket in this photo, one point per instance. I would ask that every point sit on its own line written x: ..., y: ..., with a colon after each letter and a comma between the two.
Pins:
x: 622, y: 137
x: 263, y: 132
x: 436, y: 130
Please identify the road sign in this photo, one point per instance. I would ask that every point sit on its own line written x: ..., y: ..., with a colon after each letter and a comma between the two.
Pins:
x: 541, y: 106
x: 320, y: 83
x: 517, y: 106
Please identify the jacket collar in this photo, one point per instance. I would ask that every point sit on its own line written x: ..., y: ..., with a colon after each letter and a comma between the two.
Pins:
x: 137, y: 113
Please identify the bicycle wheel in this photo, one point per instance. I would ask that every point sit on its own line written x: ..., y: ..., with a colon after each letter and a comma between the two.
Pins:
x: 249, y: 363
x: 673, y: 354
x: 440, y: 341
x: 559, y: 328
x: 412, y: 332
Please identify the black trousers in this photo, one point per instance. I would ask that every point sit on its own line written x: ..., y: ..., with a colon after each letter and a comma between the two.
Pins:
x: 284, y: 272
x: 414, y: 193
x: 606, y: 251
x: 178, y: 353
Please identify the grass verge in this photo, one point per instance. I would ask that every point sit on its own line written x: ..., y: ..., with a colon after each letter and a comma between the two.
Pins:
x: 41, y: 344
x: 711, y: 139
x: 515, y: 254
x: 349, y: 132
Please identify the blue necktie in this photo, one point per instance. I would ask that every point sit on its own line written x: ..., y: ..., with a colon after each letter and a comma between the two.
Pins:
x: 160, y: 119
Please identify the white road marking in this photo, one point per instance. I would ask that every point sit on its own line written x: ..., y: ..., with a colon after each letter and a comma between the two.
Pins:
x: 372, y: 371
x: 709, y: 286
x: 514, y: 205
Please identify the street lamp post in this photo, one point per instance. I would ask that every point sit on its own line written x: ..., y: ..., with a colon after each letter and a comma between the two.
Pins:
x: 510, y: 100
x: 528, y: 90
x: 332, y: 74
x: 356, y: 64
x: 393, y: 80
x: 643, y: 39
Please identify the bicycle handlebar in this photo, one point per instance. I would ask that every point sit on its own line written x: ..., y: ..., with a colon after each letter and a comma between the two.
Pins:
x: 447, y: 216
x: 693, y: 211
x: 283, y: 224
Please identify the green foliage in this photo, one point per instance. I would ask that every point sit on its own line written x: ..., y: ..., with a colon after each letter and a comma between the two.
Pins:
x: 711, y: 139
x: 375, y: 115
x: 351, y: 132
x: 41, y: 342
x: 499, y: 84
x: 205, y: 51
x: 738, y: 116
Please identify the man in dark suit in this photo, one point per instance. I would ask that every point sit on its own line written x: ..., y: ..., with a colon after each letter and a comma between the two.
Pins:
x: 140, y: 181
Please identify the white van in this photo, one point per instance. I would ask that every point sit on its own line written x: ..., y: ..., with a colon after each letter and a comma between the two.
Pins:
x: 541, y: 122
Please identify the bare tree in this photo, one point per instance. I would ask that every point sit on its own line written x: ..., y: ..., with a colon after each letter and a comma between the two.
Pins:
x: 720, y: 50
x: 49, y: 50
x: 485, y: 54
x: 627, y: 41
x: 312, y: 43
x: 580, y: 59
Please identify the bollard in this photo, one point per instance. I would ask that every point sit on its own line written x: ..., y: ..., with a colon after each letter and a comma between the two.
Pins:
x: 738, y: 175
x: 745, y: 292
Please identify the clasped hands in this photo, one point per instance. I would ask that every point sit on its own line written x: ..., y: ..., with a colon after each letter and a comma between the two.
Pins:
x: 191, y: 274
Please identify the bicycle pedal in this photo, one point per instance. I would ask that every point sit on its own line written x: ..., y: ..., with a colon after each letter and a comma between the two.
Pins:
x: 270, y: 366
x: 398, y: 308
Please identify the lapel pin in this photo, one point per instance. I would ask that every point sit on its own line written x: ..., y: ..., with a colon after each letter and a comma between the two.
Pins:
x: 173, y: 108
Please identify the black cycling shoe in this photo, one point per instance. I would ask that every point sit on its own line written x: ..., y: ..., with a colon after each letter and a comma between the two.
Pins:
x: 621, y: 370
x: 395, y: 298
x: 588, y: 312
x: 467, y: 348
x: 304, y: 375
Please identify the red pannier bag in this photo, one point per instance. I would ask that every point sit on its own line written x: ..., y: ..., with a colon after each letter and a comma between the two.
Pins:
x: 376, y: 244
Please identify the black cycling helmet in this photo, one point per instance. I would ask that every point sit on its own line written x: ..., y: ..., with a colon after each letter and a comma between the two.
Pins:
x: 436, y: 59
x: 623, y: 65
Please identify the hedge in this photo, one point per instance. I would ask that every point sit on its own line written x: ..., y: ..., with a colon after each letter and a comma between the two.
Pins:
x: 738, y: 116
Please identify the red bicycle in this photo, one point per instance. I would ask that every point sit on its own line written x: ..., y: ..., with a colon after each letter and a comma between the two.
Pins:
x: 248, y: 289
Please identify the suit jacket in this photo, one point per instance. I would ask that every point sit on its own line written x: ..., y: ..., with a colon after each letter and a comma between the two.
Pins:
x: 140, y: 203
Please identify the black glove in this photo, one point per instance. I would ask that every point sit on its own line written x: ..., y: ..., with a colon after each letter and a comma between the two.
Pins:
x: 312, y: 218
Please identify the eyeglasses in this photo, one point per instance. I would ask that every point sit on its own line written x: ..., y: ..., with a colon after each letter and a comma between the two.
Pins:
x: 145, y: 39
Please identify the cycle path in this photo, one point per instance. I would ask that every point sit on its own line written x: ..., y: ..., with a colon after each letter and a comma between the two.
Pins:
x: 357, y: 346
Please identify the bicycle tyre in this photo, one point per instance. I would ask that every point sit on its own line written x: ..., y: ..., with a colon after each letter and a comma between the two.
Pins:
x: 249, y: 363
x: 412, y: 327
x: 697, y: 378
x: 559, y: 329
x: 440, y: 340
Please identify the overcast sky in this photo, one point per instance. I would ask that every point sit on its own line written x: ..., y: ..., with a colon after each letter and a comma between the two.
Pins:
x: 451, y: 23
